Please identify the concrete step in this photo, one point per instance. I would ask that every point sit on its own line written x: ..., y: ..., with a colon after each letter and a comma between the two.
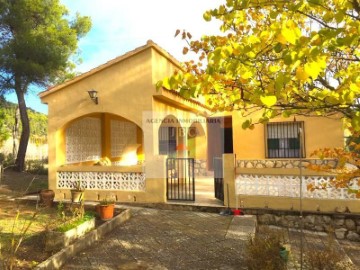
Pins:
x: 180, y: 206
x: 242, y: 227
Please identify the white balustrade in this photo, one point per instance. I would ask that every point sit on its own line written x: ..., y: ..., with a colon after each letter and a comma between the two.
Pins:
x: 131, y: 181
x: 289, y: 186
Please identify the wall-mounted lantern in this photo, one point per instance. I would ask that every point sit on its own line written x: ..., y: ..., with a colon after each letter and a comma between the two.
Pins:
x: 93, y: 96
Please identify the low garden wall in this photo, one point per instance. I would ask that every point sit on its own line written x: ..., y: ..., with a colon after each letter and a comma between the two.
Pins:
x: 130, y: 178
x: 344, y: 225
x: 200, y: 167
x: 282, y: 163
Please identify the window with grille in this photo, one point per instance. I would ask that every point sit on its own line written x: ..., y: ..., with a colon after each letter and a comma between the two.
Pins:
x: 283, y: 140
x: 167, y: 141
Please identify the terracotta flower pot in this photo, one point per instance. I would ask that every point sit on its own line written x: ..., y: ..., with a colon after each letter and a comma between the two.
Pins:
x: 77, y: 195
x: 106, y: 212
x: 47, y: 197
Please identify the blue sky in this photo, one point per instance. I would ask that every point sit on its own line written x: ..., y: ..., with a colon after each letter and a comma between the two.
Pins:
x: 120, y: 26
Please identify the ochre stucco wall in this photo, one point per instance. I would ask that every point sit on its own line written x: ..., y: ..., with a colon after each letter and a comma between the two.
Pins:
x: 320, y: 132
x: 125, y: 90
x: 273, y: 202
x: 185, y: 120
x: 162, y: 66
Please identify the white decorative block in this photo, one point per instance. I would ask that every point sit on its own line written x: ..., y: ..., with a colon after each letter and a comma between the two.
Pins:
x: 289, y: 186
x: 83, y: 140
x: 132, y: 181
x: 123, y: 133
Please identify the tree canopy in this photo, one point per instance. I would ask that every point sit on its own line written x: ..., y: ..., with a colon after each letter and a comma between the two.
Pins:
x: 281, y: 57
x: 38, y: 121
x: 38, y: 39
x: 4, y: 133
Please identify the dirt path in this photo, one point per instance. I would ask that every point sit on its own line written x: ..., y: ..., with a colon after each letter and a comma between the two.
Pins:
x: 14, y: 183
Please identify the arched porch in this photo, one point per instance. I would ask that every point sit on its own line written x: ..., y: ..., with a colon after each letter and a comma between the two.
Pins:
x: 170, y: 136
x: 102, y: 151
x: 100, y: 139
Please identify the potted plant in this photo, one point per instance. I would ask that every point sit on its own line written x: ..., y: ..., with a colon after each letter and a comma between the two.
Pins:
x: 47, y: 197
x: 77, y: 194
x: 284, y: 252
x: 105, y: 208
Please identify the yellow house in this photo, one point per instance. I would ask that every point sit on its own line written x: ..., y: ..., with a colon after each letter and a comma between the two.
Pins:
x: 110, y: 129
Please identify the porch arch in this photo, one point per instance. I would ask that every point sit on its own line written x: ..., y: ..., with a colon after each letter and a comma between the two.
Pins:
x: 169, y: 136
x: 196, y: 141
x: 110, y: 138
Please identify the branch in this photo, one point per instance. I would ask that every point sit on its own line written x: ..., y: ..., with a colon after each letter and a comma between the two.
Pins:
x: 325, y: 83
x: 355, y: 59
x: 316, y: 19
x: 356, y: 6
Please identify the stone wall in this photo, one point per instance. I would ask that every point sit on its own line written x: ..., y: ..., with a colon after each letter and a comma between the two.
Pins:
x: 344, y: 225
x: 200, y: 167
x: 281, y: 163
x: 201, y: 164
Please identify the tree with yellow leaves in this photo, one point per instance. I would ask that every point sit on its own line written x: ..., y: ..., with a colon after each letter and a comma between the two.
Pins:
x: 285, y: 57
x: 347, y: 169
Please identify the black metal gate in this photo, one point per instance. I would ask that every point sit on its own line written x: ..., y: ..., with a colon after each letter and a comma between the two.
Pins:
x: 218, y: 178
x: 180, y: 180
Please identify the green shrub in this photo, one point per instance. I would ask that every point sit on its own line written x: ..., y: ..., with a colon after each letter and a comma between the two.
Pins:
x: 37, y: 167
x: 326, y: 259
x: 2, y: 158
x: 70, y: 224
x: 7, y: 160
x: 263, y: 251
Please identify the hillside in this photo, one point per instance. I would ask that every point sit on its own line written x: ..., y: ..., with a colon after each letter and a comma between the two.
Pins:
x: 38, y: 122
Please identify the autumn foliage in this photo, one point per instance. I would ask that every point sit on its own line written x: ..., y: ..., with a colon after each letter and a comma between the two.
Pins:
x: 278, y: 57
x: 347, y: 168
x: 281, y: 58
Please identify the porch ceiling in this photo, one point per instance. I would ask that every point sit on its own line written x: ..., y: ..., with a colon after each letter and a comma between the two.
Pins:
x: 173, y: 98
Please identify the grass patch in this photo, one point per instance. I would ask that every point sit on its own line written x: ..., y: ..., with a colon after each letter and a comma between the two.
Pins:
x: 68, y: 225
x: 15, y: 218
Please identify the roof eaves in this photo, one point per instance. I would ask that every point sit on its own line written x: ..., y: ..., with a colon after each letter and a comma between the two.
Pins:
x: 149, y: 44
x: 175, y: 93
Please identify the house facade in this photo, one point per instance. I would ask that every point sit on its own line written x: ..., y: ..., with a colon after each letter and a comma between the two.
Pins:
x: 118, y: 143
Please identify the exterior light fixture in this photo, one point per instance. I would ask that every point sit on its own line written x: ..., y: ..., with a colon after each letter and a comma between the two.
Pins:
x: 93, y: 96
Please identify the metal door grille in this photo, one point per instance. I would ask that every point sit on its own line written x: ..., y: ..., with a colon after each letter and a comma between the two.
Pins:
x: 180, y: 182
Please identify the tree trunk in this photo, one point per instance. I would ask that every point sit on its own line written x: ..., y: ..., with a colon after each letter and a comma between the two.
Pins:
x: 25, y: 133
x: 15, y: 131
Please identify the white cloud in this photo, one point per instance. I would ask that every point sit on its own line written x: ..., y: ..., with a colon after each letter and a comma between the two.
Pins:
x: 120, y: 26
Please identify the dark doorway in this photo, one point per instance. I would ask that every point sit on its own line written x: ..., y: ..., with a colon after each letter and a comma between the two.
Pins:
x: 167, y: 141
x: 218, y: 179
x: 220, y: 138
